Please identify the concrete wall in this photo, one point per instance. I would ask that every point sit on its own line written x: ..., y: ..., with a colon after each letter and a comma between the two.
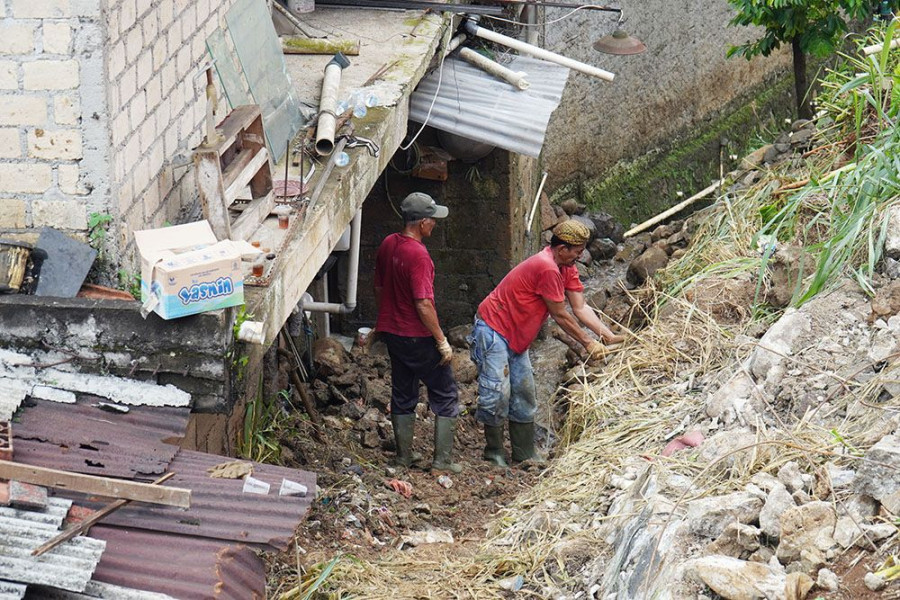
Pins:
x: 681, y: 81
x: 98, y: 103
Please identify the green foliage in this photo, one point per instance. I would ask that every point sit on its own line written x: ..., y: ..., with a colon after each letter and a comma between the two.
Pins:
x: 130, y: 281
x: 97, y: 226
x: 817, y: 25
x: 263, y: 420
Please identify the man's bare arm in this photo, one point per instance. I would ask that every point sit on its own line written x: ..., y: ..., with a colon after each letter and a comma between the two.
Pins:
x: 428, y: 316
x: 590, y: 319
x: 568, y: 323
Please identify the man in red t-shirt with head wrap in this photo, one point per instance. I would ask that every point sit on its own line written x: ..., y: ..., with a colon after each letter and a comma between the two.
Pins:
x: 408, y: 324
x: 509, y: 319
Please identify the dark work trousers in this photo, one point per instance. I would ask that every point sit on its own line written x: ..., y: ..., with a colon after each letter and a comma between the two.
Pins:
x: 415, y: 359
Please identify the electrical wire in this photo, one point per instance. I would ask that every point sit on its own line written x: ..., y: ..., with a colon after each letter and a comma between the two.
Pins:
x: 542, y: 23
x: 444, y: 42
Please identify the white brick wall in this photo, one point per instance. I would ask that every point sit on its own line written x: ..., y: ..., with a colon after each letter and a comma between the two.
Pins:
x: 97, y: 99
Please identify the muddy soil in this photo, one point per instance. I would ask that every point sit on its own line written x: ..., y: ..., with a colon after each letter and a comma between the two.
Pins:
x: 356, y: 511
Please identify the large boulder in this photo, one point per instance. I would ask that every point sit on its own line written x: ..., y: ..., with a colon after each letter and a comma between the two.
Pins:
x: 645, y: 265
x: 806, y: 530
x: 330, y: 357
x: 736, y: 579
x: 878, y: 475
x: 710, y: 516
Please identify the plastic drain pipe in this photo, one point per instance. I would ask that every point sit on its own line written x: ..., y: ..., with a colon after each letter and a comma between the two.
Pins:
x: 487, y: 65
x: 328, y: 104
x: 352, y: 276
x: 472, y: 28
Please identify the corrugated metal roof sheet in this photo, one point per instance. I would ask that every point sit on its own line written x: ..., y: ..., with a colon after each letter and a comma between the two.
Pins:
x: 477, y: 106
x: 69, y: 566
x: 85, y: 439
x: 219, y: 508
x: 179, y: 565
x: 11, y: 591
x: 51, y: 518
x: 94, y: 589
x: 12, y: 392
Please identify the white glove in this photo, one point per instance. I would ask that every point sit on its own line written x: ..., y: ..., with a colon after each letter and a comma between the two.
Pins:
x: 446, y: 351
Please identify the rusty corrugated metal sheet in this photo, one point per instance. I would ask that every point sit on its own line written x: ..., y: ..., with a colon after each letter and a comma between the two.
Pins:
x: 85, y: 439
x: 95, y: 590
x: 69, y: 566
x: 219, y: 508
x: 178, y: 565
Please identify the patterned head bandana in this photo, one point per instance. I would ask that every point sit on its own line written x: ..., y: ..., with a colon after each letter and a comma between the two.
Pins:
x: 572, y: 232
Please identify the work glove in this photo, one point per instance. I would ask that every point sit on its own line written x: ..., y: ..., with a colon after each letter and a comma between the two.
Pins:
x: 597, y: 350
x: 446, y: 351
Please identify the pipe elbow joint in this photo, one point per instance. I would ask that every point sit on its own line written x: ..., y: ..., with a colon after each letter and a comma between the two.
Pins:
x: 347, y: 309
x: 340, y: 60
x: 470, y: 25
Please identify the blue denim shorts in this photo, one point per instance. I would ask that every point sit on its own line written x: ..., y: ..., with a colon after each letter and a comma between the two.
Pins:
x: 505, y: 378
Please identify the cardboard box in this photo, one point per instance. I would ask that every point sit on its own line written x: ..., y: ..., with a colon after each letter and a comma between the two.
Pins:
x: 185, y: 270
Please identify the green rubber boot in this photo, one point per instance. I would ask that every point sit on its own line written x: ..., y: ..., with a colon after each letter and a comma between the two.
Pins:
x: 521, y: 438
x: 493, y: 448
x: 404, y: 426
x: 444, y: 431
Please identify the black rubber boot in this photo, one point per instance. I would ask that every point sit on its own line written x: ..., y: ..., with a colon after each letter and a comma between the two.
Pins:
x: 404, y: 426
x: 493, y: 449
x: 521, y: 438
x: 444, y: 431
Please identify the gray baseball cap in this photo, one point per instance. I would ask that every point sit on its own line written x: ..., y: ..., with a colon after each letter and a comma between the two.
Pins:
x: 419, y: 205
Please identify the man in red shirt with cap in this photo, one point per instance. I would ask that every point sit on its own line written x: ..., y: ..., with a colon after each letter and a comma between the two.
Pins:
x: 509, y: 319
x: 408, y: 324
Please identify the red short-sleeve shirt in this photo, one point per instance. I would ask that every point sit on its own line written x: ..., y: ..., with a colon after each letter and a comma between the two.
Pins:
x: 405, y: 273
x: 516, y: 308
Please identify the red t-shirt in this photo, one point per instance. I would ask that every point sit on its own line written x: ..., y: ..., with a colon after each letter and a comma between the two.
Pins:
x: 405, y: 273
x: 516, y: 308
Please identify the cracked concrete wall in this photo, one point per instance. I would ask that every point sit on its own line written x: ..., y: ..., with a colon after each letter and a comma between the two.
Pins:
x: 675, y: 87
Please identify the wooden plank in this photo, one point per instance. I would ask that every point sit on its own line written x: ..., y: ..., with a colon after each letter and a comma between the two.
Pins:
x: 99, y: 486
x: 236, y: 121
x: 212, y: 194
x: 239, y: 173
x: 255, y: 213
x: 83, y: 526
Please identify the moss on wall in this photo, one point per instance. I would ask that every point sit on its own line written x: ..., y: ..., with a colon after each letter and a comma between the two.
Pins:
x: 633, y: 191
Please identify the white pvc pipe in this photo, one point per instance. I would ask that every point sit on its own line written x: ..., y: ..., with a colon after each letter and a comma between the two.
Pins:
x: 454, y: 43
x: 352, y: 276
x: 328, y: 105
x: 494, y: 68
x: 472, y: 28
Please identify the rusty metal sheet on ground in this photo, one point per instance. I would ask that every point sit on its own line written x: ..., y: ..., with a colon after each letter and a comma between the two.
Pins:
x: 265, y: 519
x: 83, y: 438
x: 155, y: 562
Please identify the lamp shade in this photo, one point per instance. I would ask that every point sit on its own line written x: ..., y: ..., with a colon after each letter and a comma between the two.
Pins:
x: 619, y: 43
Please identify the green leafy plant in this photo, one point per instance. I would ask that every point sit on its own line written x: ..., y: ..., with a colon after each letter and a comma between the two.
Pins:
x: 263, y: 418
x: 811, y: 27
x: 97, y: 229
x: 130, y: 281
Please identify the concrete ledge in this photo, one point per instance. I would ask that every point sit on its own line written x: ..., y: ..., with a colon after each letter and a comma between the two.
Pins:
x: 109, y: 336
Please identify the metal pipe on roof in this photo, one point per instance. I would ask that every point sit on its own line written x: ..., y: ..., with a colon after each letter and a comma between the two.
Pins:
x: 328, y: 104
x: 472, y: 28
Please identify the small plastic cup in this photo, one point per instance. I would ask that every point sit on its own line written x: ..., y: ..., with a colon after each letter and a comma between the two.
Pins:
x: 362, y: 336
x: 258, y: 268
x: 284, y: 220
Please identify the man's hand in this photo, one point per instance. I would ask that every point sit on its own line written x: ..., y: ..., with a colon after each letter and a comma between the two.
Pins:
x: 597, y: 350
x: 446, y: 351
